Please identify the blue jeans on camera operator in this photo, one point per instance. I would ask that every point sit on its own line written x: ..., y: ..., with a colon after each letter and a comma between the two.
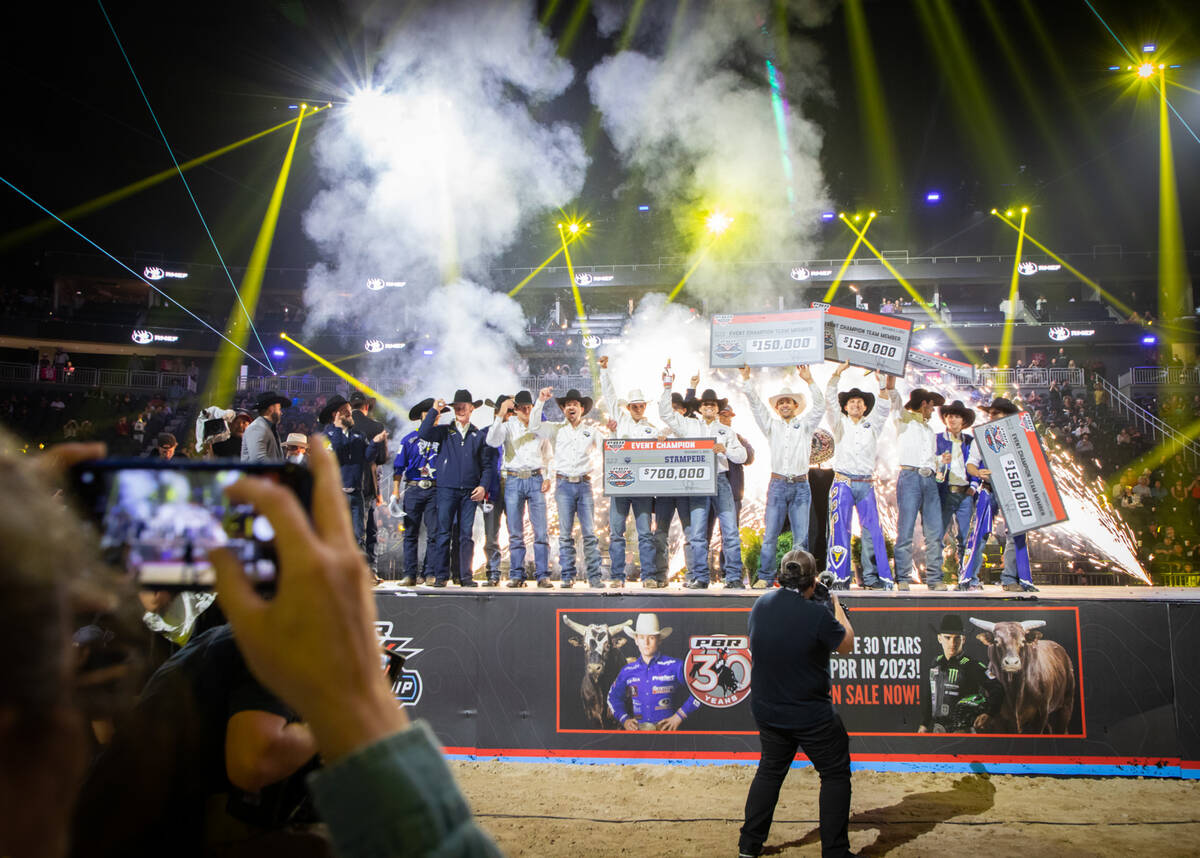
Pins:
x: 916, y: 493
x: 731, y: 540
x: 618, y: 514
x: 785, y: 502
x: 575, y: 499
x: 517, y: 494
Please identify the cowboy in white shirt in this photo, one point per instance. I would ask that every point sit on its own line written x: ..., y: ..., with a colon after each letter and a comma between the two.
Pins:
x: 574, y: 444
x: 917, y: 486
x: 856, y: 429
x: 527, y: 480
x: 630, y: 422
x: 729, y: 449
x: 789, y: 495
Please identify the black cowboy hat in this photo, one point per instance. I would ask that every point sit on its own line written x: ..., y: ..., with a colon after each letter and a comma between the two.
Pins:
x: 358, y: 398
x: 421, y: 407
x: 1003, y: 405
x: 335, y: 402
x: 951, y: 625
x: 497, y: 402
x: 585, y: 401
x: 710, y: 395
x: 920, y: 395
x: 523, y: 397
x: 269, y: 398
x: 463, y: 397
x: 689, y: 405
x: 957, y: 407
x: 854, y: 393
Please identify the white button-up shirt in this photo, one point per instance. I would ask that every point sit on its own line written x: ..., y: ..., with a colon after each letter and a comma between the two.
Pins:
x: 791, y: 441
x: 916, y: 442
x: 573, y: 446
x: 855, y: 443
x: 523, y: 449
x: 958, y: 466
x: 627, y: 427
x: 694, y: 427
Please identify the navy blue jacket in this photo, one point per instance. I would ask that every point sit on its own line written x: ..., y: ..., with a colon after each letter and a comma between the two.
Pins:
x: 945, y: 445
x: 462, y: 462
x: 353, y: 450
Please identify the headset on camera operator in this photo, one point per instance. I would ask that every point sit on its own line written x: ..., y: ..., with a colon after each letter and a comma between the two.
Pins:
x: 793, y: 631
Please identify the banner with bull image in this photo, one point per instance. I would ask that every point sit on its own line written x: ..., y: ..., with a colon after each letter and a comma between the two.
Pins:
x: 1001, y: 671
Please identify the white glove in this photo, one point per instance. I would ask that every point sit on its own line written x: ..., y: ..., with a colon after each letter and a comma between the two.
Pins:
x: 395, y: 509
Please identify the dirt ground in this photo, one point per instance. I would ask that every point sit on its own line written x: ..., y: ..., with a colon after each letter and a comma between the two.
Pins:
x: 575, y: 811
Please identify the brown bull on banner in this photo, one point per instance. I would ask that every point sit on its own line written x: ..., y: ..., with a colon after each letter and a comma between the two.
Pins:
x: 1037, y: 676
x: 599, y: 643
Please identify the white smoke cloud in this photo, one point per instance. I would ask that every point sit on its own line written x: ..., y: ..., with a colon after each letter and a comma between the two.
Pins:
x: 705, y: 136
x: 429, y: 173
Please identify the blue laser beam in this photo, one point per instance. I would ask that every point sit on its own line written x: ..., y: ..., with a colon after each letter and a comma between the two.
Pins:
x: 186, y: 186
x: 136, y: 274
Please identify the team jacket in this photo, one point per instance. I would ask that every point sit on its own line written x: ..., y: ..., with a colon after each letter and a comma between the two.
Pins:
x: 463, y: 462
x: 353, y: 450
x: 417, y: 459
x: 945, y: 445
x: 652, y: 689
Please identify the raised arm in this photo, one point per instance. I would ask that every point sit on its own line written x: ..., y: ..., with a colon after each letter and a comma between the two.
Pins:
x: 762, y: 414
x: 429, y: 430
x: 607, y: 390
x: 734, y: 451
x: 815, y: 414
x: 672, y: 420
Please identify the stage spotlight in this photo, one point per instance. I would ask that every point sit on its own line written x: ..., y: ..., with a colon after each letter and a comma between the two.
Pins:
x: 857, y: 218
x: 549, y: 341
x: 1149, y: 48
x: 1008, y: 213
x: 927, y: 343
x: 827, y: 216
x: 1149, y: 340
x: 643, y: 208
x: 278, y: 353
x: 718, y: 222
x: 994, y: 211
x: 574, y: 228
x: 1145, y: 70
x: 1025, y: 209
x: 933, y: 197
x: 872, y: 214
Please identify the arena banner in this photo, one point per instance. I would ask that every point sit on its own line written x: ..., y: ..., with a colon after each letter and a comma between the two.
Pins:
x: 1021, y: 477
x: 676, y: 467
x: 871, y: 340
x: 789, y: 338
x: 1003, y: 685
x: 937, y: 363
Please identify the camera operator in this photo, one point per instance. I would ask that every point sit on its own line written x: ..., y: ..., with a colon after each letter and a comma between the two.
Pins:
x: 793, y: 630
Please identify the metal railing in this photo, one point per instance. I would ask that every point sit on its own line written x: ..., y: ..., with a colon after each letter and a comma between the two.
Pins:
x: 560, y: 383
x: 1031, y: 376
x: 293, y: 385
x: 1151, y: 425
x: 90, y: 376
x: 1156, y: 375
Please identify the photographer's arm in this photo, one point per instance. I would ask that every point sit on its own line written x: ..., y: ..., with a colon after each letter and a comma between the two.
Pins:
x: 839, y: 614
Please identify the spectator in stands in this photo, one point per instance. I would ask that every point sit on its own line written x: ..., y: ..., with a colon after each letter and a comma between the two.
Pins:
x: 1084, y: 445
x: 232, y: 447
x: 166, y: 447
x: 1129, y: 500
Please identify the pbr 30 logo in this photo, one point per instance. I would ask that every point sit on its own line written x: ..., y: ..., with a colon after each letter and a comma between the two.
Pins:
x: 722, y: 319
x: 717, y: 668
x: 996, y: 439
x: 729, y: 349
x: 620, y: 477
x: 614, y: 445
x: 406, y: 683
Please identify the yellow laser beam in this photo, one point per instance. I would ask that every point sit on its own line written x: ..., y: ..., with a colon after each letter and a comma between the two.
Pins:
x: 345, y: 376
x: 872, y: 106
x: 1179, y: 85
x: 1155, y: 458
x: 837, y: 281
x: 580, y: 312
x: 1173, y: 282
x: 921, y: 302
x: 26, y: 233
x: 223, y: 378
x: 1010, y: 314
x: 1125, y: 309
x: 679, y: 286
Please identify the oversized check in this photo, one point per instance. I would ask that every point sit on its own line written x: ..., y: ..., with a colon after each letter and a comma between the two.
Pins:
x: 870, y: 340
x: 675, y: 467
x: 789, y: 338
x: 938, y: 363
x: 1021, y: 477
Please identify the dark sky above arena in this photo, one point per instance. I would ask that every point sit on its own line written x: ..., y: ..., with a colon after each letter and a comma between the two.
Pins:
x: 1082, y: 146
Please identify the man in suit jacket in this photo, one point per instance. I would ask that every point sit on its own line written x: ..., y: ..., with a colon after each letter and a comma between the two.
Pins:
x: 360, y: 405
x: 260, y: 443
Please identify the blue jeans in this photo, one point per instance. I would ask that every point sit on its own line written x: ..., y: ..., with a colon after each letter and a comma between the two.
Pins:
x: 844, y: 498
x: 618, y: 513
x: 731, y: 540
x: 785, y: 501
x: 665, y: 509
x: 420, y: 507
x: 957, y: 507
x: 517, y: 494
x: 355, y: 499
x: 918, y: 494
x: 575, y: 499
x: 491, y: 536
x: 456, y: 512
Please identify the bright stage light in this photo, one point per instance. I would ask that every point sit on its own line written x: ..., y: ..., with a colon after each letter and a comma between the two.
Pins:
x: 427, y: 352
x: 933, y: 197
x: 857, y: 218
x: 718, y: 222
x: 1145, y: 70
x: 872, y: 214
x: 549, y: 341
x: 928, y: 343
x: 1008, y: 213
x: 827, y: 216
x: 574, y: 228
x: 1149, y: 340
x: 643, y: 208
x: 278, y: 353
x: 1024, y: 209
x: 1149, y: 48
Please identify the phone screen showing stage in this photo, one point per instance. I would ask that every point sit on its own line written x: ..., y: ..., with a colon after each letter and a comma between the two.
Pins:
x: 159, y: 523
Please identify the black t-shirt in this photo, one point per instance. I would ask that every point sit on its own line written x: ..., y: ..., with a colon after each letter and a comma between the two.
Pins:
x: 230, y: 448
x: 791, y: 638
x: 370, y: 427
x: 149, y: 785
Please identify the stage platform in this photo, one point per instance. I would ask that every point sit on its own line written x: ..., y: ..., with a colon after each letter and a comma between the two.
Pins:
x: 503, y: 674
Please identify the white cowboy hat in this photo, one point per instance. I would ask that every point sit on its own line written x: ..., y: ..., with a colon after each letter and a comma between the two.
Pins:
x: 634, y: 396
x: 787, y: 393
x: 295, y: 439
x: 647, y: 624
